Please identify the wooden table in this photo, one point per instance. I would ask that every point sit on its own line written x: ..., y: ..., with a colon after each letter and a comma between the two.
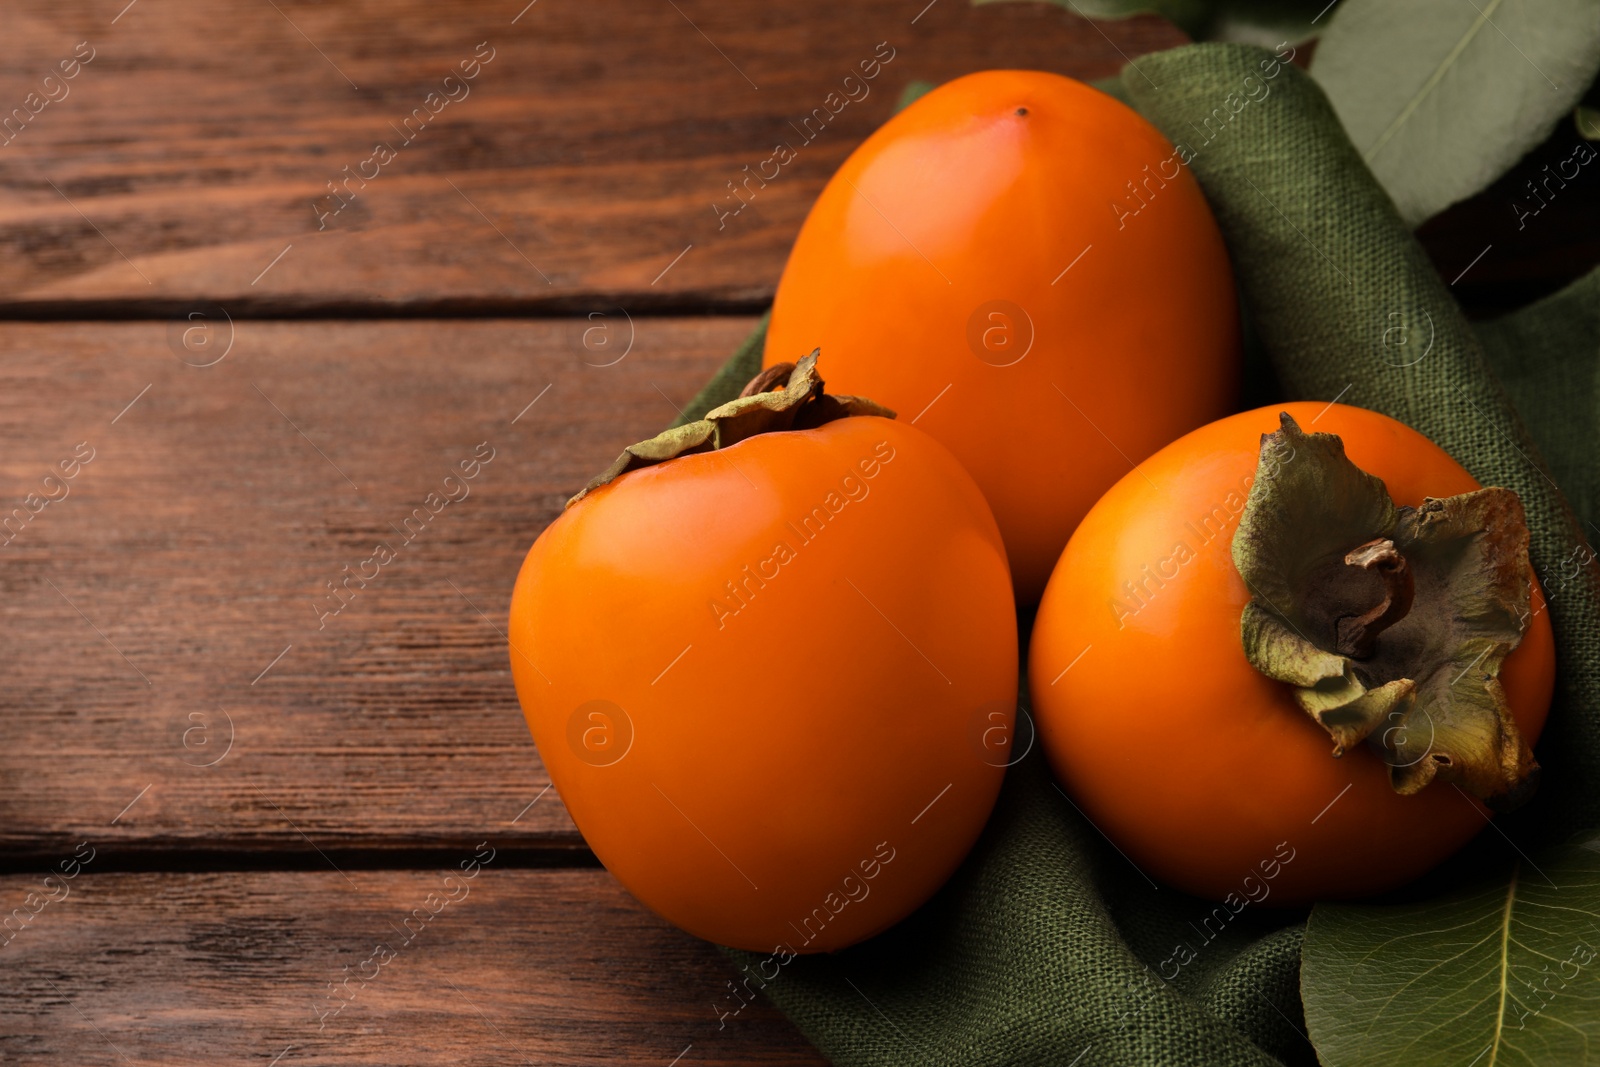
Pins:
x: 258, y: 344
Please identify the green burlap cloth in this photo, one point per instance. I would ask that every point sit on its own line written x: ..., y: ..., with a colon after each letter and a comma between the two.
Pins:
x: 1045, y: 947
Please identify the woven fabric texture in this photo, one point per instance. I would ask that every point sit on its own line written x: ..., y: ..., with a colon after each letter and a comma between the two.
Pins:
x: 1048, y: 946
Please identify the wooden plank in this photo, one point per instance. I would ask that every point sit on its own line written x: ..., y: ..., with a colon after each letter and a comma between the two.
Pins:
x: 186, y: 156
x: 510, y: 966
x: 156, y: 601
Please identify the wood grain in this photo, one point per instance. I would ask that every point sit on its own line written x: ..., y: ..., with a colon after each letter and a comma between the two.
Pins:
x: 146, y: 610
x: 557, y: 967
x: 583, y: 159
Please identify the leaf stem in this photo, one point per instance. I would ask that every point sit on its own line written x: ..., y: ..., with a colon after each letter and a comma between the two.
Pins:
x: 1505, y: 973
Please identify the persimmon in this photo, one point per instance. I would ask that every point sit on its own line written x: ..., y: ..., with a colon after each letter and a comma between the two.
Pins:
x: 1025, y: 268
x: 770, y: 662
x: 1298, y: 653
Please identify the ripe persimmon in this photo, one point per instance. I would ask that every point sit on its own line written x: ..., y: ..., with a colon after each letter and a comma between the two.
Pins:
x: 770, y: 662
x: 1223, y: 781
x: 1024, y: 268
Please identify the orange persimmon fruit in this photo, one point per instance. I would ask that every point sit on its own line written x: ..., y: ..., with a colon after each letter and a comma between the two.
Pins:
x: 1204, y: 771
x: 1024, y: 268
x: 773, y: 681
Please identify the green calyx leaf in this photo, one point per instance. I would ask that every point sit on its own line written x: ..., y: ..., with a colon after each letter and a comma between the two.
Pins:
x: 1501, y: 972
x: 1391, y: 623
x: 800, y: 404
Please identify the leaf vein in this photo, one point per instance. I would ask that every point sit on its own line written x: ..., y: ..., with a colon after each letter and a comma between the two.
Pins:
x: 1427, y: 88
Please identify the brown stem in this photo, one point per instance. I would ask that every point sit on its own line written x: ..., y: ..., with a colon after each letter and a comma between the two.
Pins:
x: 799, y: 404
x: 1447, y: 585
x: 774, y: 377
x: 1357, y: 635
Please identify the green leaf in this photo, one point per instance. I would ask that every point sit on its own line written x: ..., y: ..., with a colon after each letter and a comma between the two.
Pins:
x: 1441, y: 97
x: 1268, y: 23
x: 1501, y: 974
x: 914, y: 91
x: 1587, y: 119
x: 1187, y: 14
x: 1263, y: 22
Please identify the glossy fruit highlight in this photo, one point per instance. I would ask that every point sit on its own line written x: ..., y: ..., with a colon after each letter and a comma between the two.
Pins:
x: 760, y: 677
x: 1208, y: 774
x: 1024, y: 268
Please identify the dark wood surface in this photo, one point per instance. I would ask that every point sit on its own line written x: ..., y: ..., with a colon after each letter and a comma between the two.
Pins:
x: 583, y: 159
x: 269, y: 794
x: 142, y: 611
x: 509, y: 967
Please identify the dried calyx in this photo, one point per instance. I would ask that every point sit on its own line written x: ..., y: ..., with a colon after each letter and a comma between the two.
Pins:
x: 1390, y: 622
x: 787, y: 396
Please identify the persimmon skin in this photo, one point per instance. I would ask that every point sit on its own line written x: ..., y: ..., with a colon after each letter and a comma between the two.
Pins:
x: 780, y: 751
x: 1193, y: 762
x: 987, y: 190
